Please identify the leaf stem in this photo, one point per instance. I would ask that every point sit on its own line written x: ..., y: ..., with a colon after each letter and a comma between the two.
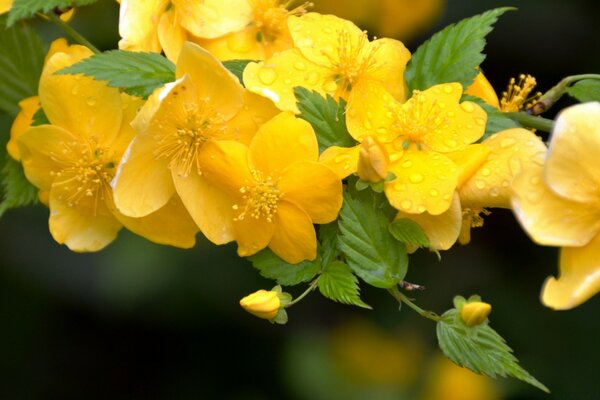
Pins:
x: 531, y: 121
x: 312, y: 287
x: 551, y: 96
x: 401, y: 297
x: 76, y: 36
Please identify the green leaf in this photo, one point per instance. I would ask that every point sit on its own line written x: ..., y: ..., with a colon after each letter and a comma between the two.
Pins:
x: 328, y: 242
x: 272, y: 267
x: 480, y: 349
x: 371, y: 250
x: 21, y: 62
x: 496, y: 120
x: 237, y: 67
x: 338, y: 283
x: 585, y: 90
x: 452, y: 54
x: 17, y: 190
x: 28, y: 8
x: 39, y: 118
x: 136, y: 72
x: 326, y: 117
x: 408, y: 231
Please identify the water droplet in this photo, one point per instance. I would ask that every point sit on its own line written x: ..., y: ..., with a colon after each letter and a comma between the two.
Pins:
x: 327, y: 30
x: 91, y: 101
x: 300, y: 66
x: 448, y: 89
x: 312, y: 78
x: 407, y: 164
x: 494, y: 192
x: 434, y: 193
x: 467, y: 107
x: 507, y: 142
x: 486, y: 172
x: 535, y: 180
x: 480, y: 184
x: 395, y: 157
x: 505, y: 183
x: 330, y: 86
x: 341, y: 158
x: 267, y: 75
x: 416, y: 178
x: 480, y: 121
x: 450, y: 143
x: 406, y: 204
x: 75, y: 90
x: 367, y: 124
x: 421, y: 209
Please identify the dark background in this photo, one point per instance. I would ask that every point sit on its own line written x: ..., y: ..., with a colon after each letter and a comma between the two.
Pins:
x: 138, y: 320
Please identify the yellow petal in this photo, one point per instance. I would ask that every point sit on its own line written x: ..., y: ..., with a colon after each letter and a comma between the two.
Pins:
x: 89, y: 226
x: 171, y: 35
x: 390, y: 58
x: 210, y: 207
x: 5, y: 5
x: 80, y: 104
x: 276, y: 77
x: 281, y: 142
x: 170, y: 225
x: 241, y: 45
x: 579, y: 277
x: 314, y: 188
x: 130, y: 106
x: 510, y: 152
x: 39, y: 147
x: 572, y: 165
x: 442, y: 230
x: 59, y: 45
x: 483, y: 89
x: 252, y: 235
x: 371, y: 112
x: 294, y: 239
x: 213, y: 81
x: 424, y: 182
x: 137, y: 24
x: 142, y: 184
x: 256, y: 111
x: 548, y: 218
x: 469, y: 160
x: 225, y: 164
x: 342, y: 160
x: 23, y: 120
x: 212, y: 18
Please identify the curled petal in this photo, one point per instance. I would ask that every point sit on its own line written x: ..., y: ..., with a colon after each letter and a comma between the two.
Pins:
x: 23, y: 120
x: 171, y: 35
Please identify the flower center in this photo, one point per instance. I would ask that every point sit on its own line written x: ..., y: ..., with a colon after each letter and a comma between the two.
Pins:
x: 354, y: 59
x: 518, y: 94
x: 270, y: 18
x: 419, y: 117
x: 260, y: 199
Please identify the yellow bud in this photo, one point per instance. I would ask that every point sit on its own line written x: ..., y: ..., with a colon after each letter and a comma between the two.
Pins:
x: 475, y: 313
x: 263, y: 303
x: 372, y: 160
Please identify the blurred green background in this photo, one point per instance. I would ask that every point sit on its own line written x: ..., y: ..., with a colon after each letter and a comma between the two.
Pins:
x: 141, y: 321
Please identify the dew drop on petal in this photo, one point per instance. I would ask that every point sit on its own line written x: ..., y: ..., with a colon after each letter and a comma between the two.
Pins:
x: 480, y: 184
x: 467, y: 107
x: 267, y: 75
x: 416, y: 178
x: 507, y: 142
x: 406, y: 204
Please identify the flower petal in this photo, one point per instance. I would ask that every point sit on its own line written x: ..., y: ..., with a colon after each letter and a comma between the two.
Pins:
x: 252, y: 235
x: 314, y: 188
x: 171, y: 35
x: 483, y: 89
x: 88, y: 226
x: 210, y: 207
x: 572, y: 164
x: 548, y: 218
x: 342, y: 160
x: 213, y: 18
x: 424, y: 182
x: 137, y: 24
x: 391, y: 57
x: 579, y: 277
x: 225, y: 164
x: 469, y: 160
x: 22, y: 122
x: 142, y: 184
x: 256, y: 111
x: 241, y: 45
x: 294, y: 239
x: 283, y: 141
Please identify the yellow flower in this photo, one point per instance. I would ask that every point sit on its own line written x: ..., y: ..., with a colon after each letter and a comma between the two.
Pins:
x: 483, y: 89
x: 373, y: 161
x: 330, y: 55
x: 475, y: 313
x: 558, y: 204
x: 155, y: 25
x: 205, y: 103
x: 73, y: 159
x: 277, y: 188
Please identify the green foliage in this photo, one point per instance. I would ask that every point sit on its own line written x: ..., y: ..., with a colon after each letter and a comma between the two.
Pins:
x: 28, y: 8
x: 326, y: 117
x: 39, y: 118
x: 21, y: 61
x: 237, y: 67
x: 370, y: 249
x: 136, y: 72
x: 272, y: 267
x: 452, y: 54
x: 496, y: 120
x: 338, y: 283
x: 17, y: 191
x: 585, y: 90
x: 480, y: 349
x: 408, y: 231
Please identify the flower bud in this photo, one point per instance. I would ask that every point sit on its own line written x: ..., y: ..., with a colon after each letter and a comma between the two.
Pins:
x: 372, y: 160
x: 263, y: 304
x: 475, y: 313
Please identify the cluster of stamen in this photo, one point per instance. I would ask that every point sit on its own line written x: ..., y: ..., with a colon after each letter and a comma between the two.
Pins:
x: 270, y: 17
x: 417, y: 119
x: 518, y: 94
x: 354, y: 59
x: 260, y: 198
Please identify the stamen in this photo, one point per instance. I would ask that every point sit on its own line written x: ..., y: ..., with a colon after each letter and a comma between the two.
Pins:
x: 419, y: 117
x: 260, y: 198
x: 517, y: 95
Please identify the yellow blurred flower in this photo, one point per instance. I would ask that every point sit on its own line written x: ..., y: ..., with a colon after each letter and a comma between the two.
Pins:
x: 330, y: 55
x: 558, y: 204
x: 277, y: 188
x: 5, y: 6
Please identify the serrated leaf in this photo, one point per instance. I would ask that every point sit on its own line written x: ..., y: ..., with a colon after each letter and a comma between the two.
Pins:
x: 480, y: 349
x: 452, y: 54
x: 17, y: 190
x: 328, y: 242
x: 496, y: 120
x: 326, y: 117
x: 371, y: 250
x: 272, y: 267
x: 237, y: 67
x: 21, y: 62
x: 136, y: 72
x: 408, y: 231
x: 338, y: 283
x: 585, y: 90
x: 28, y: 8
